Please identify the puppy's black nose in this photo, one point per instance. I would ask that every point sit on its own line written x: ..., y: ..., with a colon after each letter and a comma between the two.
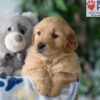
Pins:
x: 41, y: 46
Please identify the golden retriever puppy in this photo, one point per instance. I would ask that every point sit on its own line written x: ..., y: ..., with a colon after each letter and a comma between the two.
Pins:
x: 52, y: 62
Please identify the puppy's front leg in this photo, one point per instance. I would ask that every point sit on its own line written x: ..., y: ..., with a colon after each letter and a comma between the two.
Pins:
x: 41, y: 79
x: 43, y: 82
x: 58, y: 82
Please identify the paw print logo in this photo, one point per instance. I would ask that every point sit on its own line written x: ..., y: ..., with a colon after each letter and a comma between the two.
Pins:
x: 90, y: 4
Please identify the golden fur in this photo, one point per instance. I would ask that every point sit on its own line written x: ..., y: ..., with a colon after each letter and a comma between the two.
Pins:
x: 58, y: 64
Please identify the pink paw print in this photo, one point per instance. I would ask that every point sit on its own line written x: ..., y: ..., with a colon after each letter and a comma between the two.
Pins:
x: 91, y: 4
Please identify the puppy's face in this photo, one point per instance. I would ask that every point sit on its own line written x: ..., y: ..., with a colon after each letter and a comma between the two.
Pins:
x: 53, y: 36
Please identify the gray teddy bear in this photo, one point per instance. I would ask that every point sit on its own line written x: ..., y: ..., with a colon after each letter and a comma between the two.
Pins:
x: 15, y: 39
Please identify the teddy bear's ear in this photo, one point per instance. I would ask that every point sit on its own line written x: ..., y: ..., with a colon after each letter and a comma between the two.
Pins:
x: 31, y: 17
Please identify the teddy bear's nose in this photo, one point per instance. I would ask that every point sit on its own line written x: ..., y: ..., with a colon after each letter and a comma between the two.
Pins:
x: 18, y: 38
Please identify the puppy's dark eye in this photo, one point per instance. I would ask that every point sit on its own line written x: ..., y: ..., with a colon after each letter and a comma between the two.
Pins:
x: 38, y: 33
x: 54, y: 35
x: 9, y: 28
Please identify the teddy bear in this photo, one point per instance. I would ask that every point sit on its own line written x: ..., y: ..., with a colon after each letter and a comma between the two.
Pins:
x: 15, y: 39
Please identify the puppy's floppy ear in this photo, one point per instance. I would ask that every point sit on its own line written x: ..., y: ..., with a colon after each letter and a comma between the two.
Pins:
x: 33, y: 34
x: 71, y: 41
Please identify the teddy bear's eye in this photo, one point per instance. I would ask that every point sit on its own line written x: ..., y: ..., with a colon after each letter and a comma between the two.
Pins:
x: 22, y: 28
x: 22, y: 31
x: 54, y: 35
x: 9, y: 28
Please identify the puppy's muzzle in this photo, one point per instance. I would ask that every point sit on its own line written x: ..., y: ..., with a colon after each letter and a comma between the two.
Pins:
x: 41, y: 47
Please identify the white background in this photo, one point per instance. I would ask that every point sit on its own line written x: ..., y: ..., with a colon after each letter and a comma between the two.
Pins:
x: 8, y: 5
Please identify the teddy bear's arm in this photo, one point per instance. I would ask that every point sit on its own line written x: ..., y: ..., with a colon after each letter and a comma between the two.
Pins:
x: 5, y: 68
x: 1, y: 70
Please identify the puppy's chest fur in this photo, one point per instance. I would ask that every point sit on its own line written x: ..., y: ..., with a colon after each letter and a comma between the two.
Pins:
x: 63, y: 63
x: 66, y: 63
x: 48, y: 65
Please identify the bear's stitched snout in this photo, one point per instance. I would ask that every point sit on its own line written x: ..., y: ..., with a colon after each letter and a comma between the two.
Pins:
x: 18, y: 38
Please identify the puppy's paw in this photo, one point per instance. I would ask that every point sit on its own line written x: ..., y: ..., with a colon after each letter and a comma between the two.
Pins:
x: 54, y: 92
x: 43, y: 89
